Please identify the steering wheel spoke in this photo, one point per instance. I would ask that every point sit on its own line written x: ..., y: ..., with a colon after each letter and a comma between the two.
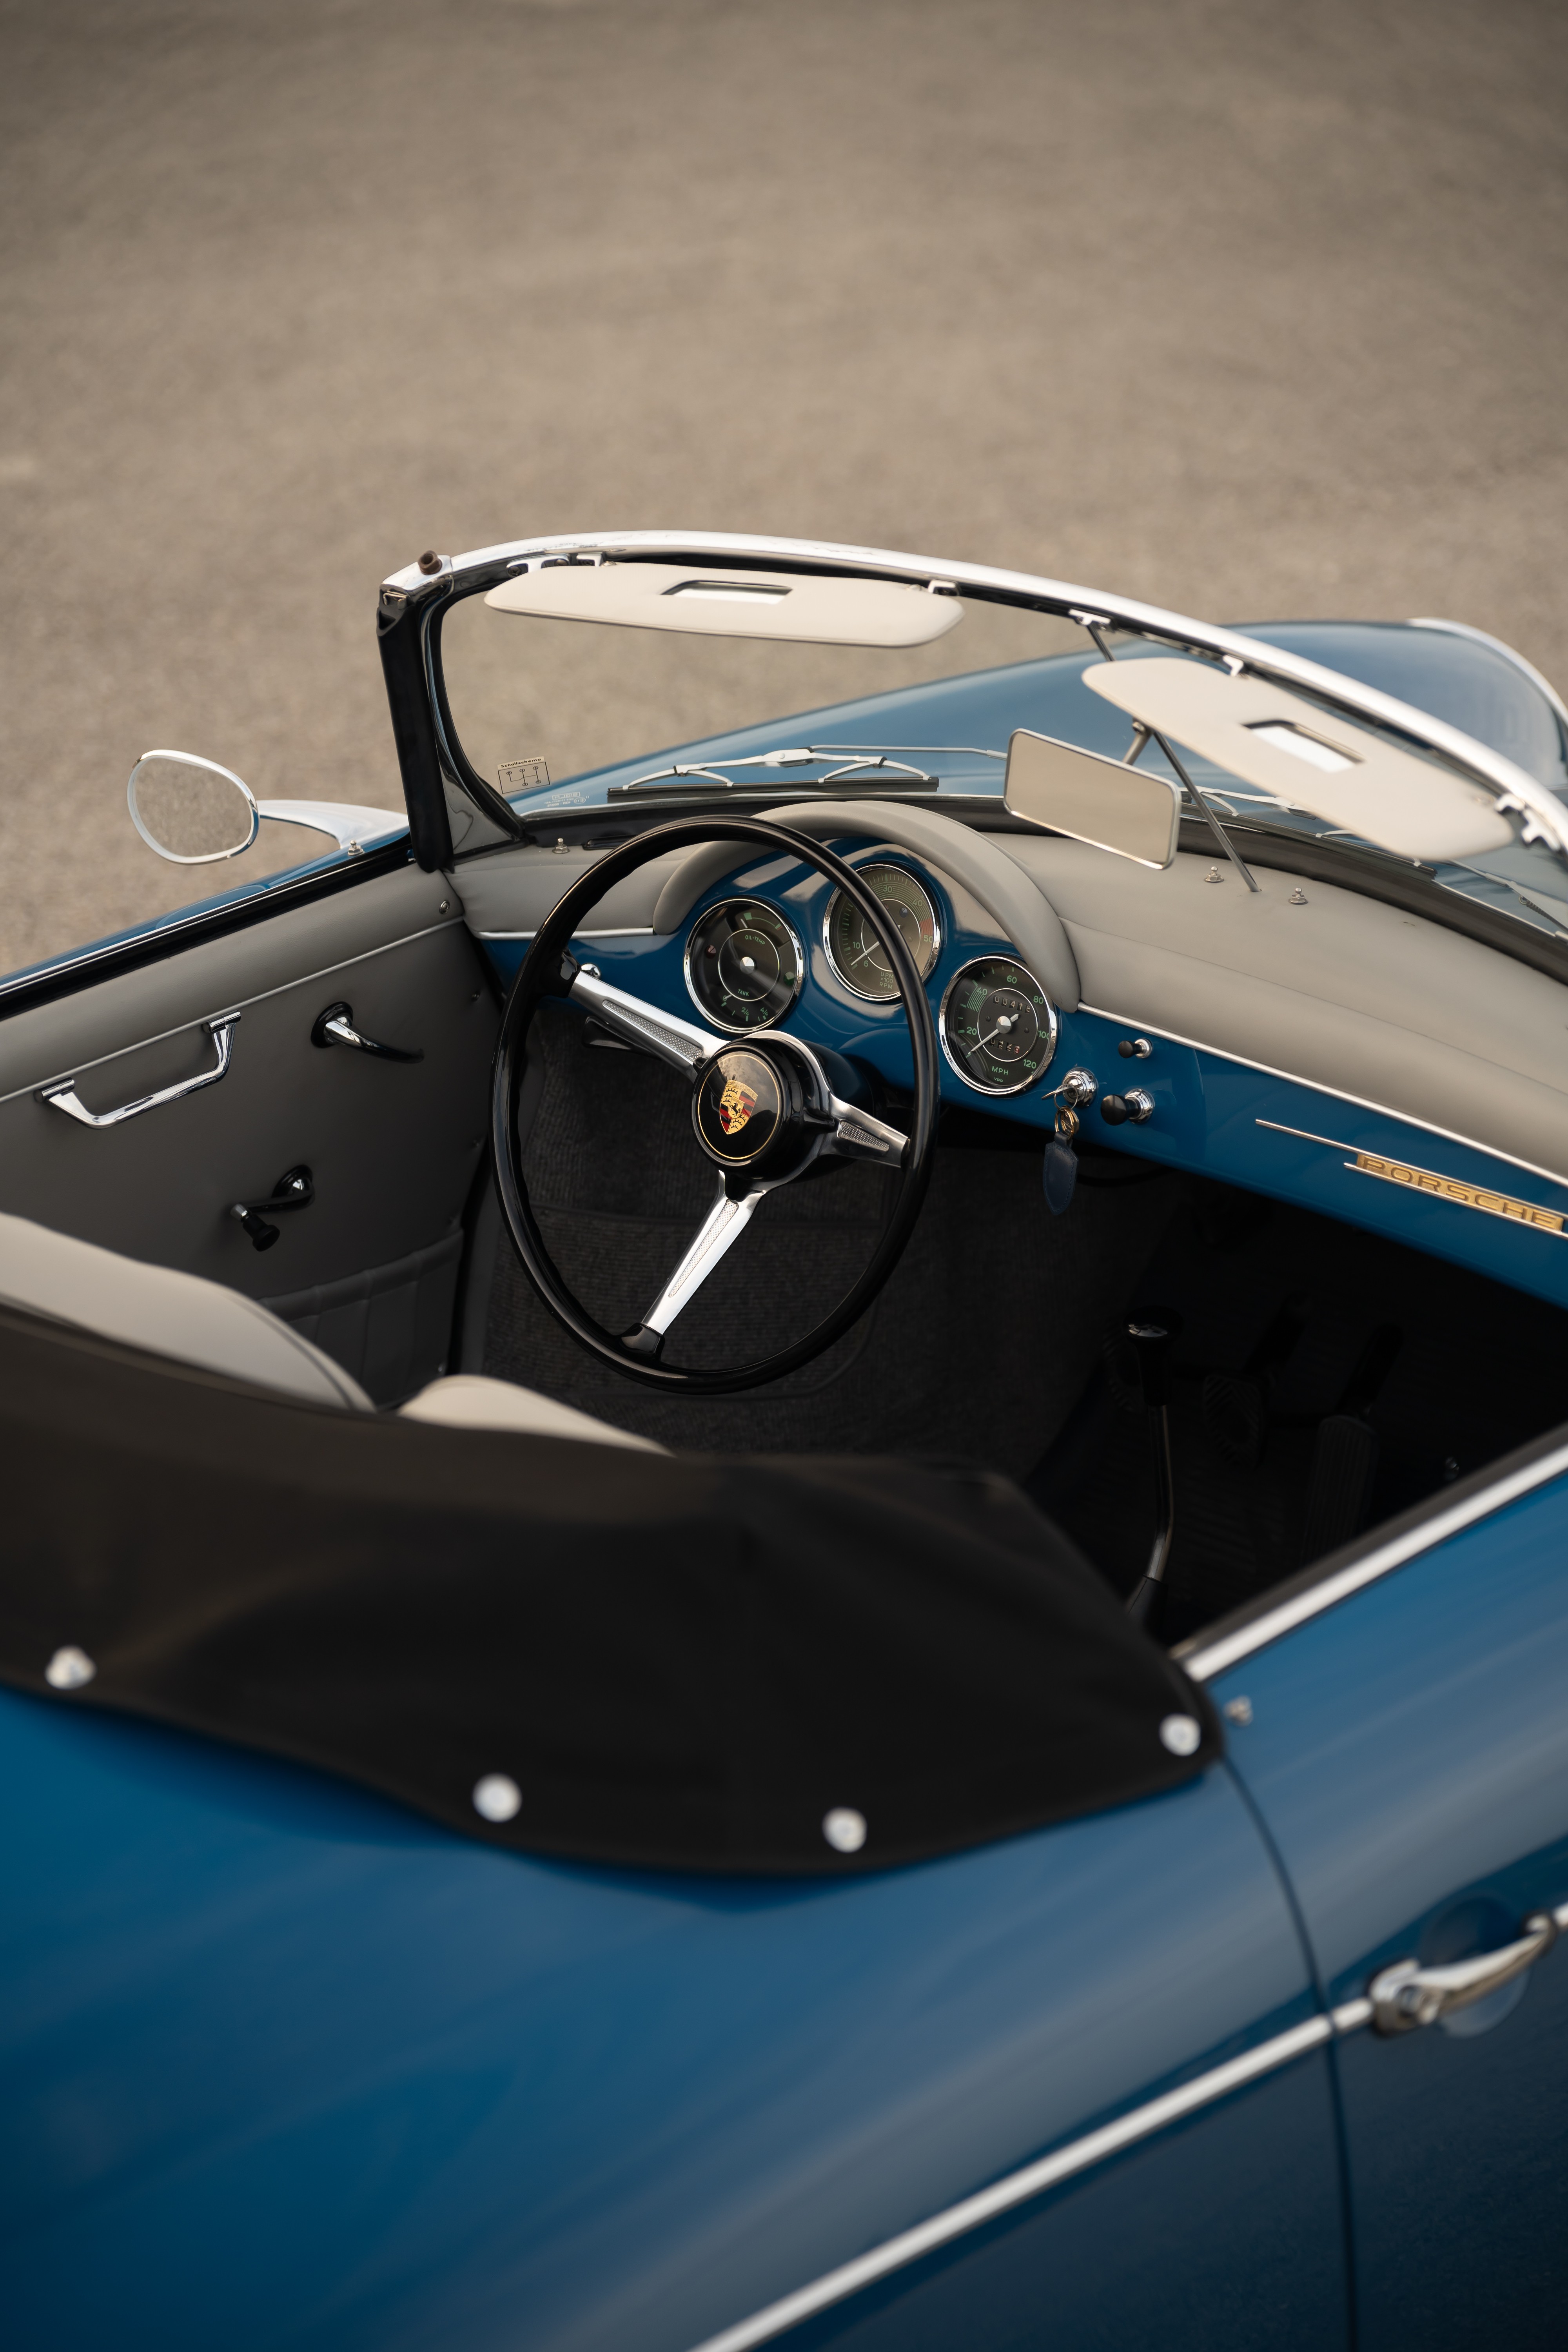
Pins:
x: 857, y: 1136
x: 681, y: 1043
x: 722, y: 1226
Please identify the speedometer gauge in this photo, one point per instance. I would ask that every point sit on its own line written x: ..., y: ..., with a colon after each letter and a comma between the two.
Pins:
x: 743, y: 965
x: 998, y: 1025
x: 854, y: 949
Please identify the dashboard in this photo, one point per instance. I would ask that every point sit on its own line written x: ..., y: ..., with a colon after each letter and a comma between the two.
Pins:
x: 1310, y: 1043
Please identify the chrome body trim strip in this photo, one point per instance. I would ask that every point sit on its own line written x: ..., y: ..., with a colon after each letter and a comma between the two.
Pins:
x: 1017, y: 2188
x: 1319, y: 1086
x: 1207, y: 1659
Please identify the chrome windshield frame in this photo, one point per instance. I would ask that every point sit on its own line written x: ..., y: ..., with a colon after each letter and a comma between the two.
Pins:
x: 414, y: 600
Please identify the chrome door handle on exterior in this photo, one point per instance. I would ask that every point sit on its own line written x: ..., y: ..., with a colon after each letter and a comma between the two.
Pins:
x: 1407, y: 1995
x: 64, y: 1096
x: 335, y: 1028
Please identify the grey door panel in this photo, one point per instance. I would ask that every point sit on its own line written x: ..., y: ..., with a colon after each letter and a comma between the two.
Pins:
x: 60, y: 1039
x: 390, y: 1326
x: 392, y: 1147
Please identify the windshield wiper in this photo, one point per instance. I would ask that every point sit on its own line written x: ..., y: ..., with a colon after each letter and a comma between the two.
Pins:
x: 862, y: 765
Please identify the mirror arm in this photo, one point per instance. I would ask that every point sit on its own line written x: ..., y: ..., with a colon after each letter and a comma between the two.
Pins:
x: 1097, y: 624
x: 1214, y: 826
x: 350, y: 825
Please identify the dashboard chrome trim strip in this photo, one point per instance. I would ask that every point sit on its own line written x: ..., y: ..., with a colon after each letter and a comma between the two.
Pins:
x: 631, y: 931
x: 1207, y: 1659
x: 1017, y: 2188
x: 1319, y: 1087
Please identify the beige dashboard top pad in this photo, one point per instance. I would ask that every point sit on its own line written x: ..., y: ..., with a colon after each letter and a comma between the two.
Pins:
x: 1310, y: 757
x: 697, y: 600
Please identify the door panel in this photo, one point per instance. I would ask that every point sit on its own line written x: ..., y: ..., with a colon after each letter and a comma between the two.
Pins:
x: 392, y: 1147
x: 1409, y: 1752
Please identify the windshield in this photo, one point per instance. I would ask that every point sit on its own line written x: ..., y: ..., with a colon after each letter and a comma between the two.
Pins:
x: 594, y: 707
x: 546, y: 711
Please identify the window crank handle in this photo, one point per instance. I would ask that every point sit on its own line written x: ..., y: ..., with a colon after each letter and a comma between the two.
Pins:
x: 335, y: 1028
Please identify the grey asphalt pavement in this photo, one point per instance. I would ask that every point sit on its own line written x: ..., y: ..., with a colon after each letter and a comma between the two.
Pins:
x: 1250, y: 306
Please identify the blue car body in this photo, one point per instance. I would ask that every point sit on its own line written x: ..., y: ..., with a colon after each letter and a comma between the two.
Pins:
x: 285, y: 2065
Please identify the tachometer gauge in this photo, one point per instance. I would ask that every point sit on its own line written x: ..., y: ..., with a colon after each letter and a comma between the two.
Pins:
x: 853, y: 949
x: 743, y: 965
x: 998, y: 1026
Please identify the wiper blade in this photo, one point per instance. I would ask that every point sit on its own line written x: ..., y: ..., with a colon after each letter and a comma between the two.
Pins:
x: 862, y: 764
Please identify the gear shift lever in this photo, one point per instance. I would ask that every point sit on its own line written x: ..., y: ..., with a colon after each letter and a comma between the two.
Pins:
x: 1152, y: 1345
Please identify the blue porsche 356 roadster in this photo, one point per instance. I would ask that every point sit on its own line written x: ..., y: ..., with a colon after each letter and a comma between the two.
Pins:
x: 785, y: 1519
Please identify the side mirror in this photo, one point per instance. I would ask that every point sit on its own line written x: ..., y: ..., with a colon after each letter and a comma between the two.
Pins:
x: 191, y: 811
x: 194, y: 813
x: 1090, y: 799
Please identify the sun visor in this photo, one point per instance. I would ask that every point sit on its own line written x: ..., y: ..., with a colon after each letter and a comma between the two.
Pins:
x: 700, y: 602
x: 1310, y: 757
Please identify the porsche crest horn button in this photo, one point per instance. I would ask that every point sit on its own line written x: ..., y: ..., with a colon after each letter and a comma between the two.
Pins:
x: 740, y: 1108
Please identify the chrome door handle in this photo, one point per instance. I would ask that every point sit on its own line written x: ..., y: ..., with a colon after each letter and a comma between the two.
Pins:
x: 64, y: 1096
x: 1407, y: 1995
x: 335, y: 1028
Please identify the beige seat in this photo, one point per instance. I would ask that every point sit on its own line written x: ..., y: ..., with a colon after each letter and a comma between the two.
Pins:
x: 203, y: 1323
x: 469, y: 1400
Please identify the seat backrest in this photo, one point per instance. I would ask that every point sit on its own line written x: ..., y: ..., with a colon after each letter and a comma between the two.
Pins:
x: 170, y: 1314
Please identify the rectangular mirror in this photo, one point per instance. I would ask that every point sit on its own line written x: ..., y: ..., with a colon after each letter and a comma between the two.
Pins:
x: 1092, y: 799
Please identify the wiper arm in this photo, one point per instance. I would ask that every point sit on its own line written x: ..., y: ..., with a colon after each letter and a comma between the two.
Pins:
x: 845, y: 764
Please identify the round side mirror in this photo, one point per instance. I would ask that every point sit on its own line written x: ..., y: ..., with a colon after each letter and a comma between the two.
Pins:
x: 191, y: 811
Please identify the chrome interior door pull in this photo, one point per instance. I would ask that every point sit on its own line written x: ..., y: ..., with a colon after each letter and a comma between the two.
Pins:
x: 1407, y: 1995
x: 63, y: 1095
x: 335, y: 1028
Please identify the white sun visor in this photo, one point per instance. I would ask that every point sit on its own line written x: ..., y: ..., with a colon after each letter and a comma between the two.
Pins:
x: 1312, y: 757
x: 699, y: 602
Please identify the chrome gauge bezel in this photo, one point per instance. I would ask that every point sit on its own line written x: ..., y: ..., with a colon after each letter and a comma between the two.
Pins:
x: 744, y: 1029
x: 997, y: 955
x: 891, y: 865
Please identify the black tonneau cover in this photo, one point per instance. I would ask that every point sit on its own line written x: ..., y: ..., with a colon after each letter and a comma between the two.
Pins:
x: 679, y: 1662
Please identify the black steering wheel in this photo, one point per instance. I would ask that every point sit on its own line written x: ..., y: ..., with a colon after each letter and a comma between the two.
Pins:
x: 763, y: 1107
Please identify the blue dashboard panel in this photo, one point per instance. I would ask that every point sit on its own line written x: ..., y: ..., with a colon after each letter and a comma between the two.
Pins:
x: 282, y: 2063
x: 1214, y: 1115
